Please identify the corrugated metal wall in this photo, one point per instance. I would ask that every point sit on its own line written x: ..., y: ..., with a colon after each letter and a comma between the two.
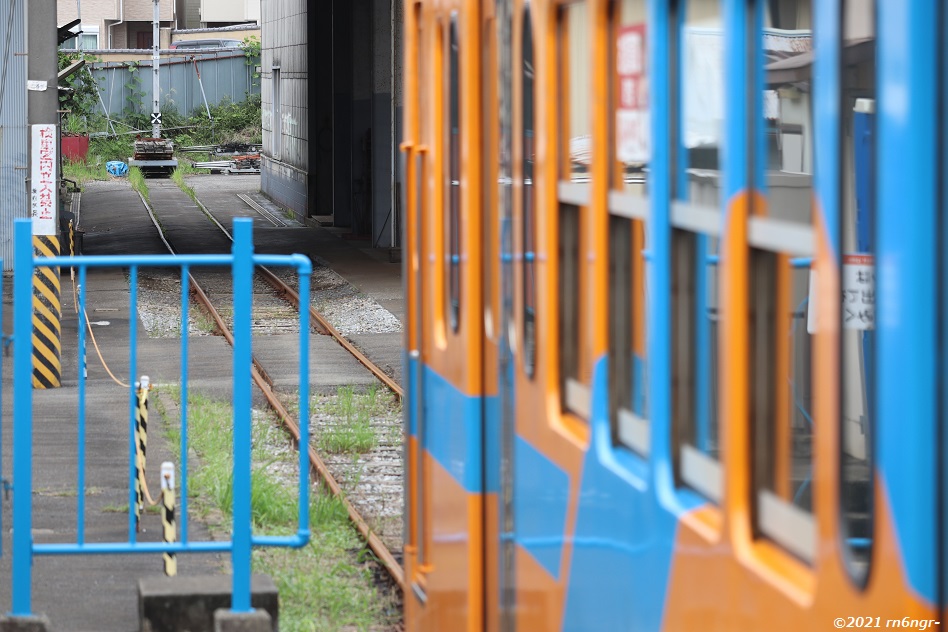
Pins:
x: 224, y: 77
x: 13, y: 136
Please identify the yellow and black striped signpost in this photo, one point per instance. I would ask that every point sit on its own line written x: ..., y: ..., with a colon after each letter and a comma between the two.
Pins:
x: 47, y: 306
x: 47, y: 317
x: 169, y: 531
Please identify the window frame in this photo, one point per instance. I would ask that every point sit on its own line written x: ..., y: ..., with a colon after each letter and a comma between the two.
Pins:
x: 571, y: 197
x: 629, y: 428
x: 452, y: 104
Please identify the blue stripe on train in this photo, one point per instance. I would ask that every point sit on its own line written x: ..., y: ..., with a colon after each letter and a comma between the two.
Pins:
x: 624, y: 537
x: 452, y: 428
x: 492, y: 448
x: 540, y: 502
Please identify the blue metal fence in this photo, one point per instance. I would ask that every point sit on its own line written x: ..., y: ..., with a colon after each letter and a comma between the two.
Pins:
x: 242, y: 261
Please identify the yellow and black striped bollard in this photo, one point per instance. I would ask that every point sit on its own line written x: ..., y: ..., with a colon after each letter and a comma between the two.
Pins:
x: 72, y: 251
x: 169, y: 532
x: 141, y: 446
x: 47, y: 316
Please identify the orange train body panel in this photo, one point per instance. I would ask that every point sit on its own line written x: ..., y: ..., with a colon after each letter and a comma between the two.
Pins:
x: 531, y: 507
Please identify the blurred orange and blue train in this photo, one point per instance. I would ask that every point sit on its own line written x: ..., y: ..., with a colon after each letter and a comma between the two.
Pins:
x: 677, y: 314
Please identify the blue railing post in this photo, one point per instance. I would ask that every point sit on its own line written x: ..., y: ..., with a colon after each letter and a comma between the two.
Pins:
x: 185, y: 310
x: 304, y: 274
x: 22, y: 416
x: 132, y: 403
x: 243, y: 280
x: 81, y: 414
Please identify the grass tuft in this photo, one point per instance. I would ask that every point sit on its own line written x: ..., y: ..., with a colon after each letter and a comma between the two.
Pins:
x: 326, y: 585
x: 177, y: 176
x: 83, y: 172
x: 137, y: 179
x: 352, y: 430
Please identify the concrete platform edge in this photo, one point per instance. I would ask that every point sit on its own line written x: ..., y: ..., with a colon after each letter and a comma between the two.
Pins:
x: 35, y: 623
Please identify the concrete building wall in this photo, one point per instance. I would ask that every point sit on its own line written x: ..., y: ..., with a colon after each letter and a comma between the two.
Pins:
x: 142, y: 10
x: 188, y: 14
x: 115, y: 19
x: 386, y: 20
x: 230, y: 10
x: 96, y: 13
x: 284, y: 85
x: 335, y: 161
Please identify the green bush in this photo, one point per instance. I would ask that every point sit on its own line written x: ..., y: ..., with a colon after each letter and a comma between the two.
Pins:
x: 79, y: 98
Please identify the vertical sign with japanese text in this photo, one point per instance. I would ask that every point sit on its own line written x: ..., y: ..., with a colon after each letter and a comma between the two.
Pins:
x: 43, y: 179
x: 633, y: 136
x: 859, y: 292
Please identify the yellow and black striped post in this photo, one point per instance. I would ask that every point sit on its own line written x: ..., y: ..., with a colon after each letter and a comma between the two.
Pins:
x: 141, y: 445
x: 72, y: 250
x: 47, y: 317
x: 139, y: 473
x: 169, y: 532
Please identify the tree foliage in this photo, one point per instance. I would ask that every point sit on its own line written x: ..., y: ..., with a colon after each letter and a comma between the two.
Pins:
x: 79, y: 98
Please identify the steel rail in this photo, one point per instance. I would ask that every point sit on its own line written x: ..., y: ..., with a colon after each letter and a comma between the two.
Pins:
x: 294, y: 298
x: 265, y: 384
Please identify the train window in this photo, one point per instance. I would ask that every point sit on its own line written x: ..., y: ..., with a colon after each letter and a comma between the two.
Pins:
x: 573, y: 194
x: 857, y: 347
x: 787, y: 109
x: 630, y: 148
x: 575, y: 92
x: 696, y: 223
x: 781, y: 239
x: 453, y: 185
x: 527, y: 155
x: 631, y: 137
x: 780, y: 400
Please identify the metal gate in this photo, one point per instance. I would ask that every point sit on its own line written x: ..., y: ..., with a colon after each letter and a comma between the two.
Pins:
x: 241, y: 261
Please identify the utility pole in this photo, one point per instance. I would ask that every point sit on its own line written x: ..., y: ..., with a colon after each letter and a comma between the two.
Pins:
x: 155, y: 109
x: 43, y: 117
x: 42, y: 61
x: 46, y: 313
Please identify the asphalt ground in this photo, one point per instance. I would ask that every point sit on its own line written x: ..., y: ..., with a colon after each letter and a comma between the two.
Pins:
x: 99, y: 593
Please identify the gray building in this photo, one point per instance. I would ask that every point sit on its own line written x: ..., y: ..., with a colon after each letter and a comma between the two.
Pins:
x: 332, y: 111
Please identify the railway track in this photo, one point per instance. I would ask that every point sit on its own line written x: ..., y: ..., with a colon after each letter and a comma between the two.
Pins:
x: 364, y: 483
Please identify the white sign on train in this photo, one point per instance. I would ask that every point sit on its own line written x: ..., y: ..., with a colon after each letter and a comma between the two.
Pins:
x: 859, y: 292
x: 858, y: 307
x: 632, y: 117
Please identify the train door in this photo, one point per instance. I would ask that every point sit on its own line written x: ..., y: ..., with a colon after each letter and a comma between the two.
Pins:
x: 501, y: 69
x: 445, y: 550
x: 499, y: 325
x: 491, y: 167
x: 415, y: 552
